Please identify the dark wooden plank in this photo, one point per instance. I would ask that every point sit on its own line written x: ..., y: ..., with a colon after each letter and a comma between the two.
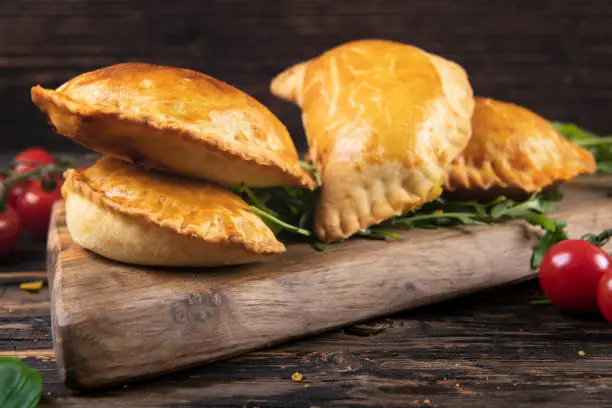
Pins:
x: 492, y: 349
x: 551, y: 55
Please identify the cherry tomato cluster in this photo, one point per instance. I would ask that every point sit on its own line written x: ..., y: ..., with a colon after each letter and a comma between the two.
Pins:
x: 26, y: 206
x: 576, y: 276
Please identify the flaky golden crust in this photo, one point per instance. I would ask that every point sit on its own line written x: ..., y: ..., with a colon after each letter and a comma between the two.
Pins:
x: 176, y: 120
x: 512, y: 147
x: 188, y: 208
x: 383, y: 121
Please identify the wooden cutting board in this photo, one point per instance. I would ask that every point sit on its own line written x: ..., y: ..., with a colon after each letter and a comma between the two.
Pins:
x: 113, y: 323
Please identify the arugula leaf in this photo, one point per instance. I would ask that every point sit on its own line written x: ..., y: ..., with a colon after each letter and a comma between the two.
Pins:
x: 284, y: 209
x: 378, y: 233
x: 319, y: 246
x: 290, y: 209
x: 20, y: 386
x: 600, y: 147
x: 312, y: 168
x: 266, y: 216
x: 553, y: 235
x: 541, y: 302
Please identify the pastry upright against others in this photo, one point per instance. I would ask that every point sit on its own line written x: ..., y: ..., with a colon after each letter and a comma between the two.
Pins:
x: 176, y: 120
x: 123, y: 212
x: 383, y: 122
x: 513, y: 148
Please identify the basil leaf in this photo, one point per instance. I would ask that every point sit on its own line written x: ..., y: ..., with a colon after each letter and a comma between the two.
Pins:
x: 20, y: 386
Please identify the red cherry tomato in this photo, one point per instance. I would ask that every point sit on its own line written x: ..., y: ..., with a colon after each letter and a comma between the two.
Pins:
x: 17, y: 191
x: 604, y: 296
x: 570, y: 272
x: 34, y: 208
x: 33, y: 156
x: 9, y: 230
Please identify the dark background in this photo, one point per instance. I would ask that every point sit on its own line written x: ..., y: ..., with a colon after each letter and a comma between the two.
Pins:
x: 553, y: 56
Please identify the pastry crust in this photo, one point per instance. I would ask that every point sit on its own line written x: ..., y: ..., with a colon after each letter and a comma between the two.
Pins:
x: 383, y: 122
x: 513, y: 148
x: 176, y: 120
x: 123, y: 212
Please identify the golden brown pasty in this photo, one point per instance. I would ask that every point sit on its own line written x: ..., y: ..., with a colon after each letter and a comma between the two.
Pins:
x: 123, y: 212
x: 512, y: 147
x: 383, y: 121
x: 175, y: 120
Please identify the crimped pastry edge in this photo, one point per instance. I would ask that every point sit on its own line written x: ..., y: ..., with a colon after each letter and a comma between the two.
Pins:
x: 363, y: 208
x: 461, y: 175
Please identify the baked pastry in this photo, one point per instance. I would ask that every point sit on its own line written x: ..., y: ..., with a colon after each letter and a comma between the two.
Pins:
x: 513, y: 148
x: 176, y: 120
x: 383, y: 122
x: 126, y: 213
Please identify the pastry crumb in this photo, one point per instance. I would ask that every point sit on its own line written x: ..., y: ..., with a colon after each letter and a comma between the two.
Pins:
x: 32, y: 286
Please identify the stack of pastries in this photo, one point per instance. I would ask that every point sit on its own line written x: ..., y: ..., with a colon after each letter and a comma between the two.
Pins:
x: 389, y: 127
x: 170, y: 139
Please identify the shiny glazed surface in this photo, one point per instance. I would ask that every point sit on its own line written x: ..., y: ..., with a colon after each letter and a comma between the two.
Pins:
x: 371, y: 108
x: 175, y: 120
x: 130, y: 185
x: 189, y: 207
x: 512, y: 146
x: 182, y: 95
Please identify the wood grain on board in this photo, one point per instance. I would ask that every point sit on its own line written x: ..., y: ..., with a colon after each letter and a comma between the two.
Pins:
x: 115, y: 323
x: 551, y: 55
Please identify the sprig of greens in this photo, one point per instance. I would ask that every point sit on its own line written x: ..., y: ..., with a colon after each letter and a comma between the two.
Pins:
x: 599, y: 146
x: 20, y: 385
x: 290, y: 210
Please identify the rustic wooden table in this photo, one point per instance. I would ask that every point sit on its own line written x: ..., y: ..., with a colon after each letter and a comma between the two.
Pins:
x: 492, y: 349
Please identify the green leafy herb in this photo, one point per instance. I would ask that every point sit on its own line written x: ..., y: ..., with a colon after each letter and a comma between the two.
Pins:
x: 541, y: 302
x: 600, y: 147
x: 20, y: 386
x: 550, y: 238
x: 311, y: 167
x: 442, y: 212
x: 284, y: 209
x: 266, y: 216
x: 289, y: 209
x: 378, y: 233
